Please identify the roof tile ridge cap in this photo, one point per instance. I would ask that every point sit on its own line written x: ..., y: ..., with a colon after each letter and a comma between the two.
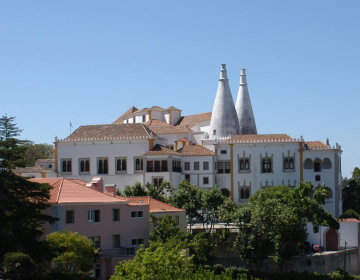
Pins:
x: 60, y: 189
x: 145, y: 128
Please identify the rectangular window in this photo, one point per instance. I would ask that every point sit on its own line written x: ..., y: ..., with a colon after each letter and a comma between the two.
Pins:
x: 206, y: 165
x: 116, y: 215
x: 144, y: 118
x: 157, y: 181
x: 164, y: 165
x: 138, y: 164
x: 103, y: 165
x: 187, y: 177
x: 96, y: 241
x: 206, y: 180
x: 138, y: 241
x: 137, y: 214
x: 149, y: 166
x: 93, y: 216
x: 223, y: 152
x: 66, y: 164
x: 220, y: 167
x: 196, y: 165
x: 177, y: 220
x: 154, y: 220
x: 84, y: 166
x: 116, y: 241
x: 70, y: 217
x: 227, y: 167
x: 157, y: 166
x: 120, y: 165
x: 187, y: 165
x: 130, y: 251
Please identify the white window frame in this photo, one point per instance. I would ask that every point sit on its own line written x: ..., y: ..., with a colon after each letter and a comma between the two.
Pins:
x: 97, y: 165
x: 121, y: 165
x: 84, y: 172
x: 91, y: 216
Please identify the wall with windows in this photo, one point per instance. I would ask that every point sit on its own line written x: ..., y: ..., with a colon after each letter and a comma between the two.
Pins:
x: 180, y: 218
x: 199, y: 170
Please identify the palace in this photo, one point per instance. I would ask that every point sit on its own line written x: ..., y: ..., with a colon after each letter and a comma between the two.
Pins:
x: 220, y: 148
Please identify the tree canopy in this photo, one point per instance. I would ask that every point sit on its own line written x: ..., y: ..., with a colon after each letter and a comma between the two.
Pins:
x: 351, y: 191
x: 33, y: 152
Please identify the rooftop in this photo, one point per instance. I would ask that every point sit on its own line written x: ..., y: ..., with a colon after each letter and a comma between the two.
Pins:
x: 195, y: 150
x: 155, y: 206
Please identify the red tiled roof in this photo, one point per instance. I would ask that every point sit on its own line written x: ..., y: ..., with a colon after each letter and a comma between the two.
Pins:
x: 172, y: 108
x: 127, y: 113
x: 110, y: 130
x: 155, y: 206
x: 350, y: 220
x: 161, y: 150
x: 195, y: 150
x: 192, y: 120
x: 182, y: 139
x: 33, y: 169
x: 161, y: 130
x: 68, y: 191
x: 316, y: 144
x: 247, y: 137
x: 155, y: 122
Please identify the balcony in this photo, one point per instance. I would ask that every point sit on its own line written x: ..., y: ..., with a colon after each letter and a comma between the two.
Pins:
x: 119, y: 252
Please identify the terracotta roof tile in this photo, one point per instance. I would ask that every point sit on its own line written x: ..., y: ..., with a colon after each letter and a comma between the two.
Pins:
x: 127, y: 113
x: 33, y: 169
x: 182, y: 139
x: 316, y: 144
x: 161, y: 150
x: 172, y: 108
x: 110, y: 130
x: 157, y: 109
x: 195, y: 150
x: 155, y: 206
x: 350, y: 220
x: 247, y: 137
x: 192, y: 120
x: 155, y: 122
x: 68, y: 191
x: 162, y: 130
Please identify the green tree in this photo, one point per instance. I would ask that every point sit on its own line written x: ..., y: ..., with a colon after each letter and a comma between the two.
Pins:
x: 74, y: 253
x: 135, y: 190
x: 34, y: 152
x: 12, y: 150
x: 351, y: 191
x: 277, y: 219
x: 348, y: 214
x: 165, y: 230
x: 164, y: 192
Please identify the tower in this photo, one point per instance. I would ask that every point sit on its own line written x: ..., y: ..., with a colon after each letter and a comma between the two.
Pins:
x: 224, y: 121
x: 243, y: 107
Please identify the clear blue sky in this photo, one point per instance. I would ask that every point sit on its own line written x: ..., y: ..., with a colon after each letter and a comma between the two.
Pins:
x: 89, y: 61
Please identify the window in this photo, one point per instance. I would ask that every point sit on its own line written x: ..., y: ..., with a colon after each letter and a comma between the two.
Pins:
x: 137, y: 241
x: 157, y: 181
x: 84, y: 164
x: 206, y: 165
x: 130, y: 251
x: 171, y: 147
x: 187, y: 165
x: 177, y: 220
x: 139, y: 164
x: 93, y: 216
x: 103, y: 164
x: 187, y: 178
x: 224, y: 167
x: 266, y: 166
x: 244, y: 193
x: 144, y: 118
x: 116, y: 241
x: 223, y: 152
x: 244, y: 165
x: 137, y: 214
x: 120, y: 165
x: 317, y: 178
x: 176, y: 166
x: 196, y: 165
x: 116, y: 215
x: 96, y: 241
x: 154, y: 222
x: 214, y: 132
x: 70, y: 217
x: 97, y: 271
x: 50, y: 165
x: 66, y: 166
x: 206, y: 180
x: 288, y: 163
x: 328, y: 193
x: 157, y: 166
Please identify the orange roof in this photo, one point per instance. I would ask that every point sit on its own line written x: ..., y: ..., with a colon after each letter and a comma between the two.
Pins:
x: 182, y: 139
x: 69, y: 191
x: 192, y: 120
x: 155, y: 206
x: 195, y: 150
x: 127, y: 113
x: 156, y: 122
x: 161, y: 130
x: 352, y: 220
x: 161, y: 150
x: 316, y: 144
x: 247, y: 137
x: 32, y: 169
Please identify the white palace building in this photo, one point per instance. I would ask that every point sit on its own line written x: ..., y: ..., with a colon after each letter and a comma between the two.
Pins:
x: 220, y: 148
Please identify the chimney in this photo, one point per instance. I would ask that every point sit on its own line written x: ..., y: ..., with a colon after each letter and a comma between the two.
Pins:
x: 97, y: 184
x: 327, y: 142
x: 110, y: 189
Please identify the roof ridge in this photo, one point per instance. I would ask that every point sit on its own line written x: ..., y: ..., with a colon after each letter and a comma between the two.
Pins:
x: 62, y: 182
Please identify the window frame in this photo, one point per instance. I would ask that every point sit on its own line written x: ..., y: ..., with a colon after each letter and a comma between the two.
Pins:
x: 122, y: 169
x: 116, y: 242
x: 102, y: 159
x: 85, y: 172
x: 95, y: 215
x: 68, y: 170
x: 72, y: 218
x: 196, y: 165
x: 116, y: 214
x: 187, y: 165
x: 177, y: 219
x: 137, y: 214
x: 141, y: 164
x: 206, y: 180
x: 206, y: 165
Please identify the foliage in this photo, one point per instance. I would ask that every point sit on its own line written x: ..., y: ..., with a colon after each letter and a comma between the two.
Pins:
x: 12, y: 150
x: 37, y: 151
x: 159, y: 261
x: 276, y: 219
x: 166, y: 230
x: 73, y: 253
x: 200, y: 248
x: 348, y: 214
x: 22, y: 205
x: 135, y: 190
x: 351, y: 191
x: 19, y: 266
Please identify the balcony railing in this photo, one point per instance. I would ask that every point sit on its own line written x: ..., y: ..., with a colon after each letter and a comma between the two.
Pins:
x: 119, y: 252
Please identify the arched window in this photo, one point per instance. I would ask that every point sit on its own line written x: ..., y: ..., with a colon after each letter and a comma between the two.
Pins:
x: 308, y: 163
x: 327, y: 163
x: 64, y: 166
x: 101, y: 170
x: 264, y: 166
x: 137, y: 164
x: 317, y: 165
x: 105, y: 166
x: 123, y: 165
x: 242, y: 165
x: 242, y: 194
x: 68, y: 167
x: 225, y: 192
x: 87, y: 166
x: 286, y: 164
x: 118, y: 165
x: 246, y: 164
x: 268, y: 165
x: 247, y: 193
x: 82, y: 166
x: 291, y: 164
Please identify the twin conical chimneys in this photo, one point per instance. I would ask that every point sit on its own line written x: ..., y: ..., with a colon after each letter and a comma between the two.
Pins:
x: 244, y: 109
x: 227, y: 121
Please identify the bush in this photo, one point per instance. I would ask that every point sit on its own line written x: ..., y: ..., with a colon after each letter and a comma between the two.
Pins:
x: 350, y: 214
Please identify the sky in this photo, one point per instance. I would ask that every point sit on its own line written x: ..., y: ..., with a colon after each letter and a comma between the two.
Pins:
x: 87, y: 62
